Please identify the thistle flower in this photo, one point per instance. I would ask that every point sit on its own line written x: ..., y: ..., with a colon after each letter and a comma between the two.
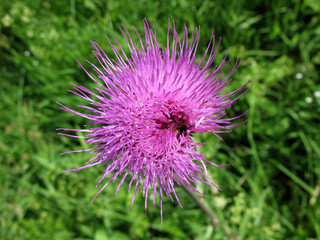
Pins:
x: 146, y: 107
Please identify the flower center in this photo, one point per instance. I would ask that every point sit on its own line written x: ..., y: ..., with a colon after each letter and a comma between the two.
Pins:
x: 178, y: 122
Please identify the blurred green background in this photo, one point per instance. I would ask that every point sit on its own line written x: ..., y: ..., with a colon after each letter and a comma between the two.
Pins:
x: 270, y: 191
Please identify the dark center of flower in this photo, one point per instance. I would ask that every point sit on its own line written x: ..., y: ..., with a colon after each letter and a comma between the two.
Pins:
x: 177, y: 122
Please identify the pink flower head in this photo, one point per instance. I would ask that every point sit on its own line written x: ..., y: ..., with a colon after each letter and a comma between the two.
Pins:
x: 146, y: 107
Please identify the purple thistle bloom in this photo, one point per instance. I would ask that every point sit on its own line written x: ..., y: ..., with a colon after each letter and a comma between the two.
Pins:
x: 146, y: 108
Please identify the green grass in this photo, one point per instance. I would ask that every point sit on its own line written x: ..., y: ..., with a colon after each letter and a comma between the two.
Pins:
x: 270, y: 191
